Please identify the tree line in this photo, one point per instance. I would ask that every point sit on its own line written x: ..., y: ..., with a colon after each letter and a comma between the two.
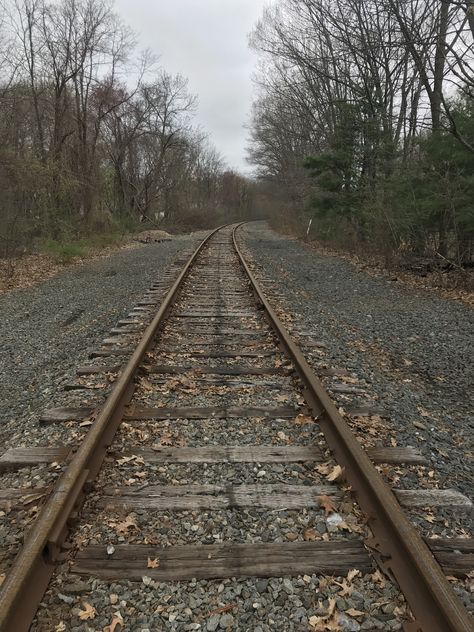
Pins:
x: 364, y: 121
x: 94, y: 134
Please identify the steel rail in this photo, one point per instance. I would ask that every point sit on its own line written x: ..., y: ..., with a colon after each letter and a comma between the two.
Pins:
x: 28, y: 578
x: 399, y: 546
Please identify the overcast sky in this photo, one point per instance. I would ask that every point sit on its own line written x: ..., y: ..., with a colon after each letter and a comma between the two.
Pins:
x: 206, y: 41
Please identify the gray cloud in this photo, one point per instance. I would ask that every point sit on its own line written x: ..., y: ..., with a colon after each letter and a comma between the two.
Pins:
x: 206, y: 41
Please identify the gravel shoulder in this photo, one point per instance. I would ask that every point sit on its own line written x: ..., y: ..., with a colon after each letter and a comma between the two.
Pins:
x: 411, y: 348
x: 49, y: 329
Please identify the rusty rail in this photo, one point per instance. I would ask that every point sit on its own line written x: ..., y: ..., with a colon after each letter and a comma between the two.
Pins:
x: 398, y: 544
x: 34, y: 565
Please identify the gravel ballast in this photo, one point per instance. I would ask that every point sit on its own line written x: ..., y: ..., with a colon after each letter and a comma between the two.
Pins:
x: 358, y: 601
x: 49, y: 329
x: 412, y: 349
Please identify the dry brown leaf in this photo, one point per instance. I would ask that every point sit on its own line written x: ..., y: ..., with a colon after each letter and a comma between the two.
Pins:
x: 303, y: 419
x: 335, y: 474
x: 291, y: 536
x: 89, y: 611
x: 327, y: 504
x: 310, y: 535
x: 423, y: 412
x: 145, y: 385
x: 393, y: 442
x: 284, y: 437
x: 352, y: 574
x: 281, y: 399
x: 130, y: 522
x: 348, y: 379
x: 326, y: 622
x: 352, y: 612
x: 166, y: 439
x: 127, y: 459
x: 153, y: 563
x: 323, y: 468
x: 346, y: 588
x: 61, y: 627
x: 378, y: 578
x: 116, y: 620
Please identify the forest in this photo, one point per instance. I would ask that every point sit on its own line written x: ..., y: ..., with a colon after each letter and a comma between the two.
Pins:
x: 95, y: 136
x: 364, y: 123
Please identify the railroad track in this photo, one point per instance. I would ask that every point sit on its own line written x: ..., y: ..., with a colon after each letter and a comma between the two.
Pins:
x: 212, y: 409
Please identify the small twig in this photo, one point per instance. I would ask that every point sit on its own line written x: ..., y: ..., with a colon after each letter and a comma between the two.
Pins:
x: 230, y: 606
x: 450, y: 262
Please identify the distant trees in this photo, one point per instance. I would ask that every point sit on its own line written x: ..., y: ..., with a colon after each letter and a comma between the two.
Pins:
x: 89, y: 135
x: 360, y: 104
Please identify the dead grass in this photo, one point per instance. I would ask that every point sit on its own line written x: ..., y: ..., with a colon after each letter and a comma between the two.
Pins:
x: 32, y: 269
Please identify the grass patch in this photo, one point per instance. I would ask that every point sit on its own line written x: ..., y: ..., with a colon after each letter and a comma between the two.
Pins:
x: 65, y: 250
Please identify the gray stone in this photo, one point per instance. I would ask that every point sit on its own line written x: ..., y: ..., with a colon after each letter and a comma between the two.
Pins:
x: 213, y: 622
x: 288, y: 586
x: 262, y: 585
x: 226, y: 621
x: 347, y: 623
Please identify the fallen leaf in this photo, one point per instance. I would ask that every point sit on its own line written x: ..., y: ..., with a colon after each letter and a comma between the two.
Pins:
x: 116, y: 620
x: 353, y: 573
x: 61, y: 627
x: 323, y: 468
x: 153, y: 563
x: 310, y: 535
x: 346, y: 588
x: 146, y: 385
x: 336, y: 473
x: 423, y: 412
x: 327, y: 622
x: 130, y: 522
x: 89, y: 611
x: 128, y: 459
x: 327, y: 504
x: 291, y: 536
x: 378, y: 578
x: 352, y: 612
x: 284, y: 437
x: 303, y: 419
x: 393, y: 442
x: 166, y: 439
